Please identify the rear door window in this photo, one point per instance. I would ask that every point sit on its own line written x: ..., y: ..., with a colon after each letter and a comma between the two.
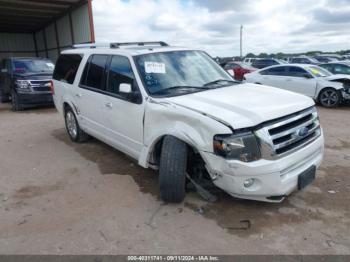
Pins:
x: 275, y: 71
x: 66, y: 68
x: 94, y: 72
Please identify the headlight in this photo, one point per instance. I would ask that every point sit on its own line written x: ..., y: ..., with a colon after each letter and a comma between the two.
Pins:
x: 242, y: 146
x: 22, y: 84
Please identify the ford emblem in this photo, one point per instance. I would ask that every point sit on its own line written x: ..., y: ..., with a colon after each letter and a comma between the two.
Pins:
x: 303, y: 131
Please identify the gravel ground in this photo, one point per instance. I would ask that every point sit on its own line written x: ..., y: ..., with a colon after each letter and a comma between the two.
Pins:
x: 57, y: 197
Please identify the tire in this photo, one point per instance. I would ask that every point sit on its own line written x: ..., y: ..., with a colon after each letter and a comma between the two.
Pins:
x: 3, y: 98
x: 329, y: 97
x: 72, y: 126
x: 172, y: 170
x: 16, y: 106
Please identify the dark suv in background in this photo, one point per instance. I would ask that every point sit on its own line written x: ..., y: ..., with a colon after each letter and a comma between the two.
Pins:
x: 26, y: 81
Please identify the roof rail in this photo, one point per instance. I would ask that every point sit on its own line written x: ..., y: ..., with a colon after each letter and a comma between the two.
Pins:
x: 92, y: 45
x: 118, y: 45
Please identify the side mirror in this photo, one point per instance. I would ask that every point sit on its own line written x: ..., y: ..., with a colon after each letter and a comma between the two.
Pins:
x: 125, y: 88
x: 133, y: 96
x: 4, y: 70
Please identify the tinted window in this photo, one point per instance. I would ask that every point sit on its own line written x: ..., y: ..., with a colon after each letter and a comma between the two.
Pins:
x: 278, y: 71
x: 66, y: 68
x: 296, y: 71
x: 341, y: 69
x: 94, y: 71
x: 328, y: 67
x: 120, y: 72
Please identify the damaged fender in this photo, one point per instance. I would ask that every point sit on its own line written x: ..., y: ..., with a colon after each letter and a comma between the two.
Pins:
x: 165, y: 118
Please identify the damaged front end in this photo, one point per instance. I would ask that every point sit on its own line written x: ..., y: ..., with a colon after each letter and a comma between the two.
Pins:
x: 346, y: 87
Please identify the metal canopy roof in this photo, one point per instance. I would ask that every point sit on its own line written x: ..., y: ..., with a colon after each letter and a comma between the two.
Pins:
x: 28, y: 16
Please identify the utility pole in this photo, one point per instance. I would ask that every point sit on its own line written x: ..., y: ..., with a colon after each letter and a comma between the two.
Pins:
x: 240, y: 40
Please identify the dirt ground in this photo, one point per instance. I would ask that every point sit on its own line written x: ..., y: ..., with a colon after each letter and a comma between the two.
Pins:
x: 57, y: 197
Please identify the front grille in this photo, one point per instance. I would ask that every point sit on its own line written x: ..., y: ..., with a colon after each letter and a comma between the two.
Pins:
x: 40, y: 85
x: 284, y: 135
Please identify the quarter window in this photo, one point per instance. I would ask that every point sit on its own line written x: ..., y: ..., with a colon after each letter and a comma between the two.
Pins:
x: 66, y: 68
x: 120, y: 72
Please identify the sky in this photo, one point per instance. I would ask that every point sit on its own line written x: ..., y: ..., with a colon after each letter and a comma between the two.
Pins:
x: 213, y: 25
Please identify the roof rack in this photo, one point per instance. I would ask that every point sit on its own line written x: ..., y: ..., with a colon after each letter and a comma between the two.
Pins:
x: 92, y: 45
x: 117, y: 45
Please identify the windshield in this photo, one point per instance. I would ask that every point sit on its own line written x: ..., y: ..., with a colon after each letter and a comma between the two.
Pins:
x: 32, y: 66
x: 180, y: 72
x: 317, y: 71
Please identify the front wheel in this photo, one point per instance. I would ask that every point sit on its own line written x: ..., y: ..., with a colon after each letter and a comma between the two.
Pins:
x: 172, y: 170
x: 329, y: 97
x: 3, y: 97
x: 73, y: 128
x: 16, y: 105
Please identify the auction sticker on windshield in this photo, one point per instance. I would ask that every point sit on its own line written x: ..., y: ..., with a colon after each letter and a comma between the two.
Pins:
x: 155, y: 68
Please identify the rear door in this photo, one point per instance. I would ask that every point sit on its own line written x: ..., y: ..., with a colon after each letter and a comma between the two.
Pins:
x: 274, y: 76
x: 123, y: 112
x: 90, y: 96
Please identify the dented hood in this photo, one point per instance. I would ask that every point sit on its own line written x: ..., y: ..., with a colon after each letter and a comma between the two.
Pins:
x: 244, y: 105
x: 337, y: 76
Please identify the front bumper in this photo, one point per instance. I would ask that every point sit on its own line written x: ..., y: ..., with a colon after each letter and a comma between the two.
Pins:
x: 346, y: 94
x: 35, y: 98
x: 274, y: 179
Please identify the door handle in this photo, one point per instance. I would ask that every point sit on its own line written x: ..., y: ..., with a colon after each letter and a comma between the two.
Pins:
x: 78, y: 95
x: 109, y: 105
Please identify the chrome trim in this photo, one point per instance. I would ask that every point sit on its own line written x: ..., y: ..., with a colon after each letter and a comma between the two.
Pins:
x: 290, y: 131
x: 292, y: 119
x: 269, y: 148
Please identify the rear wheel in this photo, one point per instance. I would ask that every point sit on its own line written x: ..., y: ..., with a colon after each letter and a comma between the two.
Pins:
x: 329, y: 97
x: 73, y: 128
x: 172, y: 170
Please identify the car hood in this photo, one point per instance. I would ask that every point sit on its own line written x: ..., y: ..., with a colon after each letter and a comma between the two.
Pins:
x: 43, y: 76
x: 337, y: 76
x: 244, y: 105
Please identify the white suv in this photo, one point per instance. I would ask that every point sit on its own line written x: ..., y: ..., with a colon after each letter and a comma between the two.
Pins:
x: 176, y: 110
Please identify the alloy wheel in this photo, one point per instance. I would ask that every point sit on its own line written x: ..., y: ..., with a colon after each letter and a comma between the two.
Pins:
x: 71, y: 124
x: 329, y: 98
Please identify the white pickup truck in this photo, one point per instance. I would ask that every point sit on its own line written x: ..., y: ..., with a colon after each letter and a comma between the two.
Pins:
x: 175, y: 110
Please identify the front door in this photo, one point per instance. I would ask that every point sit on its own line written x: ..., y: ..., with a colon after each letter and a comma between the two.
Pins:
x: 124, y: 111
x: 300, y: 81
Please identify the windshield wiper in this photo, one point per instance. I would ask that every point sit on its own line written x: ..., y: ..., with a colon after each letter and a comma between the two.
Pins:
x: 218, y: 81
x: 166, y: 90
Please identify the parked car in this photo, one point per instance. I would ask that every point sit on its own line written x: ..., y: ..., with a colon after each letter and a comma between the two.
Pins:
x: 238, y: 69
x: 310, y: 80
x: 26, y: 81
x: 303, y: 60
x: 265, y: 62
x: 177, y: 111
x: 249, y: 60
x: 337, y: 67
x: 325, y: 59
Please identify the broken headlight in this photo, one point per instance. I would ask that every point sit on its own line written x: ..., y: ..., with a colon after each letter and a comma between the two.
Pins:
x: 241, y: 146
